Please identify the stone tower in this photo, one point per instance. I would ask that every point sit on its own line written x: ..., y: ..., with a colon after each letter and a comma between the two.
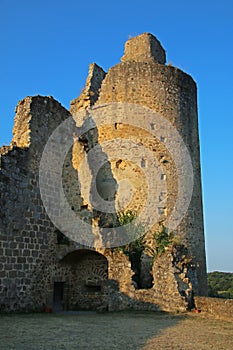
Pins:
x: 141, y: 116
x: 143, y: 79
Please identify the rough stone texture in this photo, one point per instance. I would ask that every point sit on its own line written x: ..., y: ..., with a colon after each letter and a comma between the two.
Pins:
x: 144, y: 48
x: 36, y: 271
x: 84, y: 275
x: 90, y: 93
x: 219, y: 308
x: 174, y: 277
x: 26, y: 231
x: 171, y: 93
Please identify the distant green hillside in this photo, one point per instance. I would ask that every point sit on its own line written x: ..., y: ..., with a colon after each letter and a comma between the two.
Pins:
x: 220, y: 284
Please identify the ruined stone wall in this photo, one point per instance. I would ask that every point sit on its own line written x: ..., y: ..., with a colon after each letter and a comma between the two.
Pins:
x: 90, y: 92
x: 26, y: 230
x: 143, y: 48
x: 215, y: 307
x: 170, y: 287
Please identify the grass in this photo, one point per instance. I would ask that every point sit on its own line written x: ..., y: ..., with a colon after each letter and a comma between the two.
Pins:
x: 122, y: 330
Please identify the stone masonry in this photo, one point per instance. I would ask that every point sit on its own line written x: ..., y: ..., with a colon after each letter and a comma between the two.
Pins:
x: 40, y: 266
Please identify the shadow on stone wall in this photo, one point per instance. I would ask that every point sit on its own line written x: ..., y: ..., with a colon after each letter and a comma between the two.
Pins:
x: 103, y: 187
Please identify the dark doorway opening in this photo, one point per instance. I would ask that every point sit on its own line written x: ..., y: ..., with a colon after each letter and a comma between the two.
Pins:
x: 58, y: 296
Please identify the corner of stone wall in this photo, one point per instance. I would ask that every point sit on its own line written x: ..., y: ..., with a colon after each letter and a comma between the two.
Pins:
x: 26, y: 230
x: 90, y: 92
x: 36, y: 117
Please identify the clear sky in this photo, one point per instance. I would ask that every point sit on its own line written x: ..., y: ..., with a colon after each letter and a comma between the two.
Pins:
x: 47, y: 45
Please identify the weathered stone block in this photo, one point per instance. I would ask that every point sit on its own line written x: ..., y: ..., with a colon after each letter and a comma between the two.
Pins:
x: 144, y: 48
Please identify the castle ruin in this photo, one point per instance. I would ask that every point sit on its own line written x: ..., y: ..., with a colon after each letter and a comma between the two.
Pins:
x: 58, y: 247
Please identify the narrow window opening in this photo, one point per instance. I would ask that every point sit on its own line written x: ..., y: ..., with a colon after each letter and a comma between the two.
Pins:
x: 58, y: 295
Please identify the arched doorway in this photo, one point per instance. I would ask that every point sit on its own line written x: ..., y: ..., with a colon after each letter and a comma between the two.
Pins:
x: 87, y: 281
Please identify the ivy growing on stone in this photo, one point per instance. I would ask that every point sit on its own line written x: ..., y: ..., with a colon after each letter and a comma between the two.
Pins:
x: 163, y: 239
x: 137, y: 244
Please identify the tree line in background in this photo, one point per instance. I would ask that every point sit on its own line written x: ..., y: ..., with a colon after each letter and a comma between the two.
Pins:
x: 220, y: 284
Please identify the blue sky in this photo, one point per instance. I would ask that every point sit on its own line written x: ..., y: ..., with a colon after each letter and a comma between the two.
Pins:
x: 46, y: 47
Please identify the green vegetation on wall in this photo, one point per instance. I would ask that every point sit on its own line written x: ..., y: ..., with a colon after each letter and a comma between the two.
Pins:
x: 163, y: 239
x: 136, y: 246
